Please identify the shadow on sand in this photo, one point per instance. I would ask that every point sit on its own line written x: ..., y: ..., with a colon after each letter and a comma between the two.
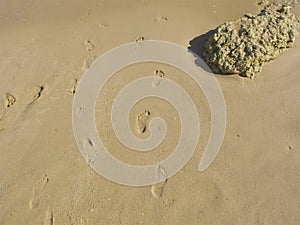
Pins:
x: 197, y: 47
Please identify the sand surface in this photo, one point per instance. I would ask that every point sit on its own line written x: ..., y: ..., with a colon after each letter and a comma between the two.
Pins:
x: 45, y: 48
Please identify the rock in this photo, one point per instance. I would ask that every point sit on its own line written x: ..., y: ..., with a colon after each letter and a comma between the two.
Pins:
x: 245, y: 45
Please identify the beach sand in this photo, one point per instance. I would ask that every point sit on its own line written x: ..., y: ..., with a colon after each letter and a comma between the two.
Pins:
x: 45, y: 49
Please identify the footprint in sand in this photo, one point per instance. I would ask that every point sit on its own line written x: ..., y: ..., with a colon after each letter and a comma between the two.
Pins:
x: 73, y: 87
x: 38, y: 92
x: 157, y: 190
x: 88, y: 145
x: 102, y: 25
x: 82, y: 111
x: 141, y: 121
x: 7, y: 102
x: 161, y: 19
x: 139, y: 39
x: 89, y: 46
x: 84, y: 17
x: 49, y: 218
x: 37, y: 192
x: 159, y: 74
x: 87, y: 62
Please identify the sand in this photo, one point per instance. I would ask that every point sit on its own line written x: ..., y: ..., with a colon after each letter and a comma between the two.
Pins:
x: 45, y: 49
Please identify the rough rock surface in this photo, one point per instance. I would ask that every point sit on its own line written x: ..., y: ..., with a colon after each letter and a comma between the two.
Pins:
x: 245, y: 45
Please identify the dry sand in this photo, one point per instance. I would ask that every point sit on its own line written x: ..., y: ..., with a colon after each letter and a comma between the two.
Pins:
x: 45, y: 48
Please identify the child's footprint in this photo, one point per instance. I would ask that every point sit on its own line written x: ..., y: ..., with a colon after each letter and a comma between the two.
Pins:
x: 158, y: 73
x: 161, y: 19
x: 38, y: 92
x: 73, y: 87
x: 139, y: 39
x: 141, y: 121
x: 89, y: 46
x: 7, y: 102
x: 87, y: 62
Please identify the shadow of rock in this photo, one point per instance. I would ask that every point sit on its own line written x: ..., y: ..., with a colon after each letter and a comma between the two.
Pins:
x: 197, y: 44
x: 197, y: 47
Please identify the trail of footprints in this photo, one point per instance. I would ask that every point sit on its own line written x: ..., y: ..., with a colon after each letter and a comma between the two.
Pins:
x: 8, y: 101
x: 141, y: 123
x: 143, y: 118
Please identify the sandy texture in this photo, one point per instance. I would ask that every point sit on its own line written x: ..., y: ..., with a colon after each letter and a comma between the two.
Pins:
x: 45, y: 48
